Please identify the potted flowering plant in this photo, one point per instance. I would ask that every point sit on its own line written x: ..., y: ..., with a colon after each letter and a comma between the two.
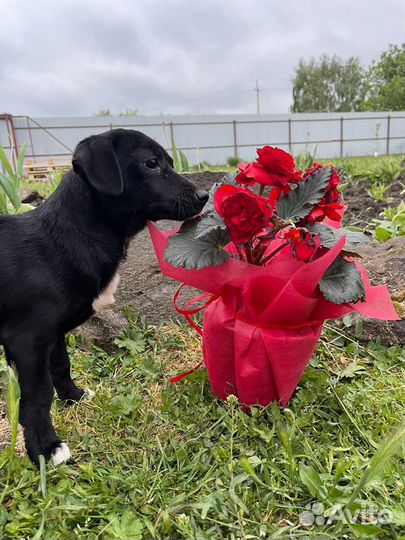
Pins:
x: 275, y: 263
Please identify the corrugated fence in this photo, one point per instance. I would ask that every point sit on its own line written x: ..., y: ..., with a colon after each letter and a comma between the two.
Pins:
x: 214, y: 138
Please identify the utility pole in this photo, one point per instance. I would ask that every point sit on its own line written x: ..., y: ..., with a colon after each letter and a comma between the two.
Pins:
x: 257, y: 90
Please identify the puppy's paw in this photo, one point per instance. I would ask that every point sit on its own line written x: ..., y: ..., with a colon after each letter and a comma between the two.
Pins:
x: 61, y: 454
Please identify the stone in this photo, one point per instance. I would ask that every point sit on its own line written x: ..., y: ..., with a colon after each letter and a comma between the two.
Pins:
x: 385, y: 265
x: 31, y: 197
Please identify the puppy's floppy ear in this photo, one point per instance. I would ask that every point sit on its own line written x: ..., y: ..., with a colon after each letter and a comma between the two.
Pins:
x: 94, y: 160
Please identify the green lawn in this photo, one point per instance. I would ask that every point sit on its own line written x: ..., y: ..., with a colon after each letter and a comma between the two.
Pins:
x: 161, y: 460
x: 156, y: 459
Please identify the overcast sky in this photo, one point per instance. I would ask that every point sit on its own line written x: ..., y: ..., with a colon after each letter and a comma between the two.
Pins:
x: 75, y: 57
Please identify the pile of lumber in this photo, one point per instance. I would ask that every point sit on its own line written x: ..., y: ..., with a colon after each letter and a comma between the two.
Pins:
x: 37, y: 171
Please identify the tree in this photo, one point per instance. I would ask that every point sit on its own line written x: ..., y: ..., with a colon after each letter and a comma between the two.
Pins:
x: 328, y: 85
x: 126, y: 112
x: 385, y: 81
x: 104, y: 112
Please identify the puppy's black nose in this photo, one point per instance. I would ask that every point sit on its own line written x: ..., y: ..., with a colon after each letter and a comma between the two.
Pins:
x: 202, y: 195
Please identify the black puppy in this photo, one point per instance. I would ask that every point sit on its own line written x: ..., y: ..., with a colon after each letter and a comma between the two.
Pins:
x: 58, y: 263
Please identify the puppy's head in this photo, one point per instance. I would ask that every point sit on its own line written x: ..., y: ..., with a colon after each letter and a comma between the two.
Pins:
x: 134, y: 171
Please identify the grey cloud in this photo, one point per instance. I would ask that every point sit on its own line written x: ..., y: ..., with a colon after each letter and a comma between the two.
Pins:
x: 74, y: 57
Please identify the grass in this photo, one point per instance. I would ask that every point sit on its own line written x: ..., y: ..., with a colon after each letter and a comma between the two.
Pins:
x: 158, y: 460
x: 162, y: 460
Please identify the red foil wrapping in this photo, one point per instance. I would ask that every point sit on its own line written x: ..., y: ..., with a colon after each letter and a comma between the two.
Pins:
x: 263, y: 323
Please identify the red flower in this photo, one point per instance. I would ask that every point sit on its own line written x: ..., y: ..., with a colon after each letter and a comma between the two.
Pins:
x: 273, y: 167
x: 331, y: 205
x: 245, y: 214
x: 303, y: 243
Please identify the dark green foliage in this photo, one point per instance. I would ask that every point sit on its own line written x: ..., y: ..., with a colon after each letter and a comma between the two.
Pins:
x: 330, y: 236
x: 328, y: 84
x: 185, y: 250
x: 233, y: 161
x: 385, y: 81
x: 342, y: 283
x: 299, y: 202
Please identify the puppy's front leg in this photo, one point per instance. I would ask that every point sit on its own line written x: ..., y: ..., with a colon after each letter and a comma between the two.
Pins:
x: 60, y: 371
x: 30, y: 355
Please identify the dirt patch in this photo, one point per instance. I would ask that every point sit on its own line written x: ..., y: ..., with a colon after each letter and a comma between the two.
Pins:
x: 362, y: 207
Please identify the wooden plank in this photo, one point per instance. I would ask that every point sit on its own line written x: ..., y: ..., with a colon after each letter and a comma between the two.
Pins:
x: 42, y: 170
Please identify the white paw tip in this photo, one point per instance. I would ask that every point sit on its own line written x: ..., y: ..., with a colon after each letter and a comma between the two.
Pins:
x: 89, y: 394
x: 61, y: 454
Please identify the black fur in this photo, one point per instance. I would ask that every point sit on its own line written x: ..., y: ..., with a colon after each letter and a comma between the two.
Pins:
x: 56, y: 259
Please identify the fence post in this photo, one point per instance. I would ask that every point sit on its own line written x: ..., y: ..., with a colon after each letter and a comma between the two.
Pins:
x: 289, y: 136
x: 341, y: 136
x: 235, y: 140
x: 172, y: 135
x: 388, y: 134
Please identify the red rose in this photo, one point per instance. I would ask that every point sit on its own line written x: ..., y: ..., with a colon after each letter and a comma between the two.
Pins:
x: 245, y: 214
x: 273, y: 167
x: 303, y: 243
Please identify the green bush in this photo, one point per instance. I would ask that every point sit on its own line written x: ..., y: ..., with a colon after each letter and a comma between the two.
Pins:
x: 233, y: 161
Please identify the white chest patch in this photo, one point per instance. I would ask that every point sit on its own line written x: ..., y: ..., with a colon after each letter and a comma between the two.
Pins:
x: 106, y: 297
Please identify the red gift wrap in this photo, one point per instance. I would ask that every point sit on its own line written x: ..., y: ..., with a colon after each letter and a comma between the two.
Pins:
x: 262, y: 323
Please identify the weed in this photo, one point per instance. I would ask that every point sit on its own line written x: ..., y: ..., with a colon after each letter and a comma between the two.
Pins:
x: 392, y: 224
x: 10, y: 183
x: 305, y: 160
x: 180, y: 160
x: 377, y: 191
x: 156, y: 459
x: 233, y: 161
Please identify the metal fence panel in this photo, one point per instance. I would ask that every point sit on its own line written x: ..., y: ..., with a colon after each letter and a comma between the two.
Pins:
x: 214, y: 138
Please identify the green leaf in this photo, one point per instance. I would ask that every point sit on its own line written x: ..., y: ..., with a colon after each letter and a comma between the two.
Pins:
x: 180, y: 161
x: 3, y: 203
x: 342, y: 283
x: 329, y: 236
x: 382, y: 234
x: 127, y: 527
x: 311, y: 479
x: 20, y: 164
x: 6, y: 162
x: 379, y: 462
x: 363, y: 530
x: 9, y: 186
x: 298, y: 203
x: 185, y: 166
x: 208, y: 223
x: 185, y: 250
x: 209, y: 206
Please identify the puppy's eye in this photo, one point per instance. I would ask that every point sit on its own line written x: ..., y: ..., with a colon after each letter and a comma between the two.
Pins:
x: 152, y: 163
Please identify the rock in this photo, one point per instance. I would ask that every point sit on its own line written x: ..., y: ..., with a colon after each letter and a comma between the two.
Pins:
x: 385, y: 265
x: 31, y: 197
x: 103, y: 328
